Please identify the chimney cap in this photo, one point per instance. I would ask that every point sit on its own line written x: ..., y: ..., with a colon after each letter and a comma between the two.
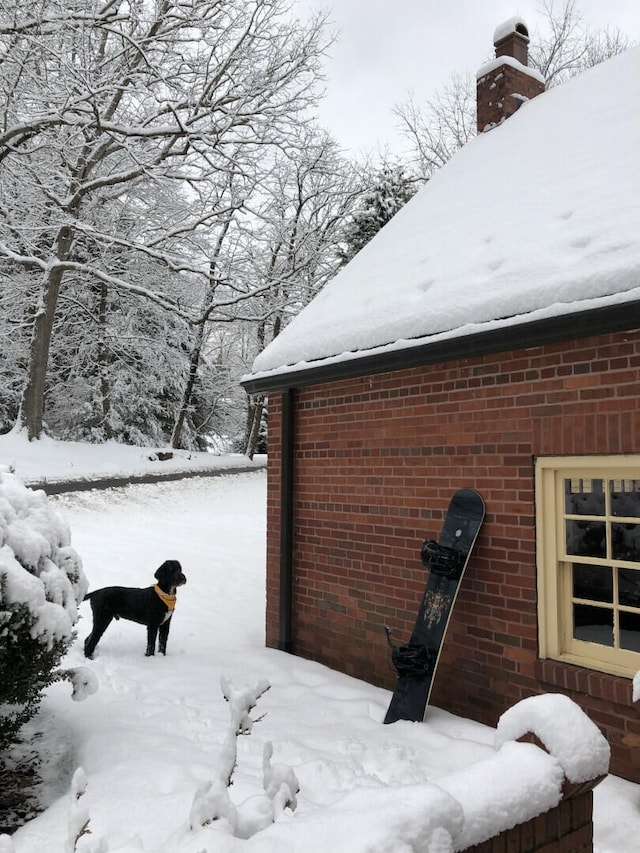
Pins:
x: 511, y: 27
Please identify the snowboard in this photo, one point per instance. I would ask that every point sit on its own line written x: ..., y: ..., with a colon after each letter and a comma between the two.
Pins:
x: 446, y: 559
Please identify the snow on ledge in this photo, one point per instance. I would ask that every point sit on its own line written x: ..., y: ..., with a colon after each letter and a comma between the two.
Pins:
x: 507, y: 28
x: 636, y: 687
x: 490, y: 66
x: 514, y: 786
x: 449, y: 813
x: 565, y: 730
x: 409, y: 817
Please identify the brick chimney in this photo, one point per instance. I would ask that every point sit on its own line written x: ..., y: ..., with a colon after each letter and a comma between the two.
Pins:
x: 506, y: 82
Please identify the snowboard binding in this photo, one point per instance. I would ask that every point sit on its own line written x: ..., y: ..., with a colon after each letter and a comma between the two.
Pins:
x: 442, y: 560
x: 413, y: 660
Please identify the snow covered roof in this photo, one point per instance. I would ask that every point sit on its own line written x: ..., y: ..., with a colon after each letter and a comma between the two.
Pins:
x: 536, y: 220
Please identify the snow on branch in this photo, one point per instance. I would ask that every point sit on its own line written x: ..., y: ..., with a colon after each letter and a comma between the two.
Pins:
x: 242, y: 702
x: 280, y: 782
x: 83, y: 682
x: 636, y: 687
x: 78, y: 813
x: 212, y: 803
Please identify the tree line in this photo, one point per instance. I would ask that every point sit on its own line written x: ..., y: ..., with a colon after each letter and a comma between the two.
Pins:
x: 168, y: 202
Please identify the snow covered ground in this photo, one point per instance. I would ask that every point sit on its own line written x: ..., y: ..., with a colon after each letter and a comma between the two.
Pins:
x: 49, y: 461
x: 153, y: 733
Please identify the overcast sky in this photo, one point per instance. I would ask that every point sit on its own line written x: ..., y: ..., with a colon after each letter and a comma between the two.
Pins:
x: 388, y: 50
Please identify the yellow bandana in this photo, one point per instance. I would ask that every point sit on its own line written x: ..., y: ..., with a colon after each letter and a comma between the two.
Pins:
x: 169, y: 600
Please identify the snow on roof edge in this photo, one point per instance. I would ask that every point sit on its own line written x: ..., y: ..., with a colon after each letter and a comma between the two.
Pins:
x: 547, y: 313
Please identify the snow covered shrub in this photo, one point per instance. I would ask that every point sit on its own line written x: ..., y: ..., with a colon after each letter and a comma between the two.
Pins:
x: 41, y: 585
x: 212, y: 803
x: 78, y: 814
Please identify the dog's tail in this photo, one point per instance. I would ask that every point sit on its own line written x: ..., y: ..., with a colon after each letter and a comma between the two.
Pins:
x: 88, y: 596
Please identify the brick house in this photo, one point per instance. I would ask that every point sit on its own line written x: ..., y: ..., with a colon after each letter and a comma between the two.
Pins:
x: 488, y: 336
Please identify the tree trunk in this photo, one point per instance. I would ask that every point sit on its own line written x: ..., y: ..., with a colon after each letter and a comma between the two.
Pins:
x: 254, y: 418
x: 194, y: 363
x: 31, y: 412
x: 103, y: 364
x: 196, y: 352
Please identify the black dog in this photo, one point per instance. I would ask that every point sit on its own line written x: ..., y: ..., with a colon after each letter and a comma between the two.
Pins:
x: 152, y: 607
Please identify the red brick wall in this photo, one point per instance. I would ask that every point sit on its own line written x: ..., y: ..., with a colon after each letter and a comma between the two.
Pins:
x: 376, y: 461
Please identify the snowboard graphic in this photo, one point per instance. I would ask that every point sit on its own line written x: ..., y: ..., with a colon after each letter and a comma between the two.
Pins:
x: 446, y: 559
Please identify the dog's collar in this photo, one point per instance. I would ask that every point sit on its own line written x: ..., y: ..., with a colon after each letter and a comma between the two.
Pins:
x: 169, y: 600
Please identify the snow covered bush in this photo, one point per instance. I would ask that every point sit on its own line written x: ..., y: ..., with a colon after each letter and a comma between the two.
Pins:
x: 41, y: 585
x: 212, y: 803
x: 78, y: 814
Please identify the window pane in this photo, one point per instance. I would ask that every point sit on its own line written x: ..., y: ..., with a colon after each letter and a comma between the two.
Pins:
x: 593, y: 582
x: 630, y: 631
x: 625, y: 498
x: 586, y: 538
x: 583, y: 496
x: 625, y: 542
x: 593, y: 624
x: 629, y: 587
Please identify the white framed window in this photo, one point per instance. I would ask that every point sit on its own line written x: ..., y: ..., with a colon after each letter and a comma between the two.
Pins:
x: 588, y: 553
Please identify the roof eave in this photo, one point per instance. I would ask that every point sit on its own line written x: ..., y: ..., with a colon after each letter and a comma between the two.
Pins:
x: 566, y: 327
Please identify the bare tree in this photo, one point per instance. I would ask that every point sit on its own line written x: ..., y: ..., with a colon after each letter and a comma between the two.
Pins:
x: 143, y: 105
x: 208, y: 307
x: 568, y: 45
x: 446, y: 123
x: 564, y: 46
x: 279, y: 244
x: 297, y: 250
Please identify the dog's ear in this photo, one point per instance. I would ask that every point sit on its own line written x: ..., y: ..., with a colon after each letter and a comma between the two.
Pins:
x: 167, y: 569
x: 162, y: 571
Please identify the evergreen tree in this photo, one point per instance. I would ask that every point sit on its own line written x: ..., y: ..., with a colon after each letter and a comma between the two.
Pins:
x: 389, y: 189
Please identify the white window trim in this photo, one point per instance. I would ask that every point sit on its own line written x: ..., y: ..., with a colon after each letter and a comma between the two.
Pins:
x: 554, y: 615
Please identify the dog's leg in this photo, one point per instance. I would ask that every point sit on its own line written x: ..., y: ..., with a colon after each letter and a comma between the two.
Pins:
x: 163, y: 636
x: 152, y: 633
x: 100, y: 625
